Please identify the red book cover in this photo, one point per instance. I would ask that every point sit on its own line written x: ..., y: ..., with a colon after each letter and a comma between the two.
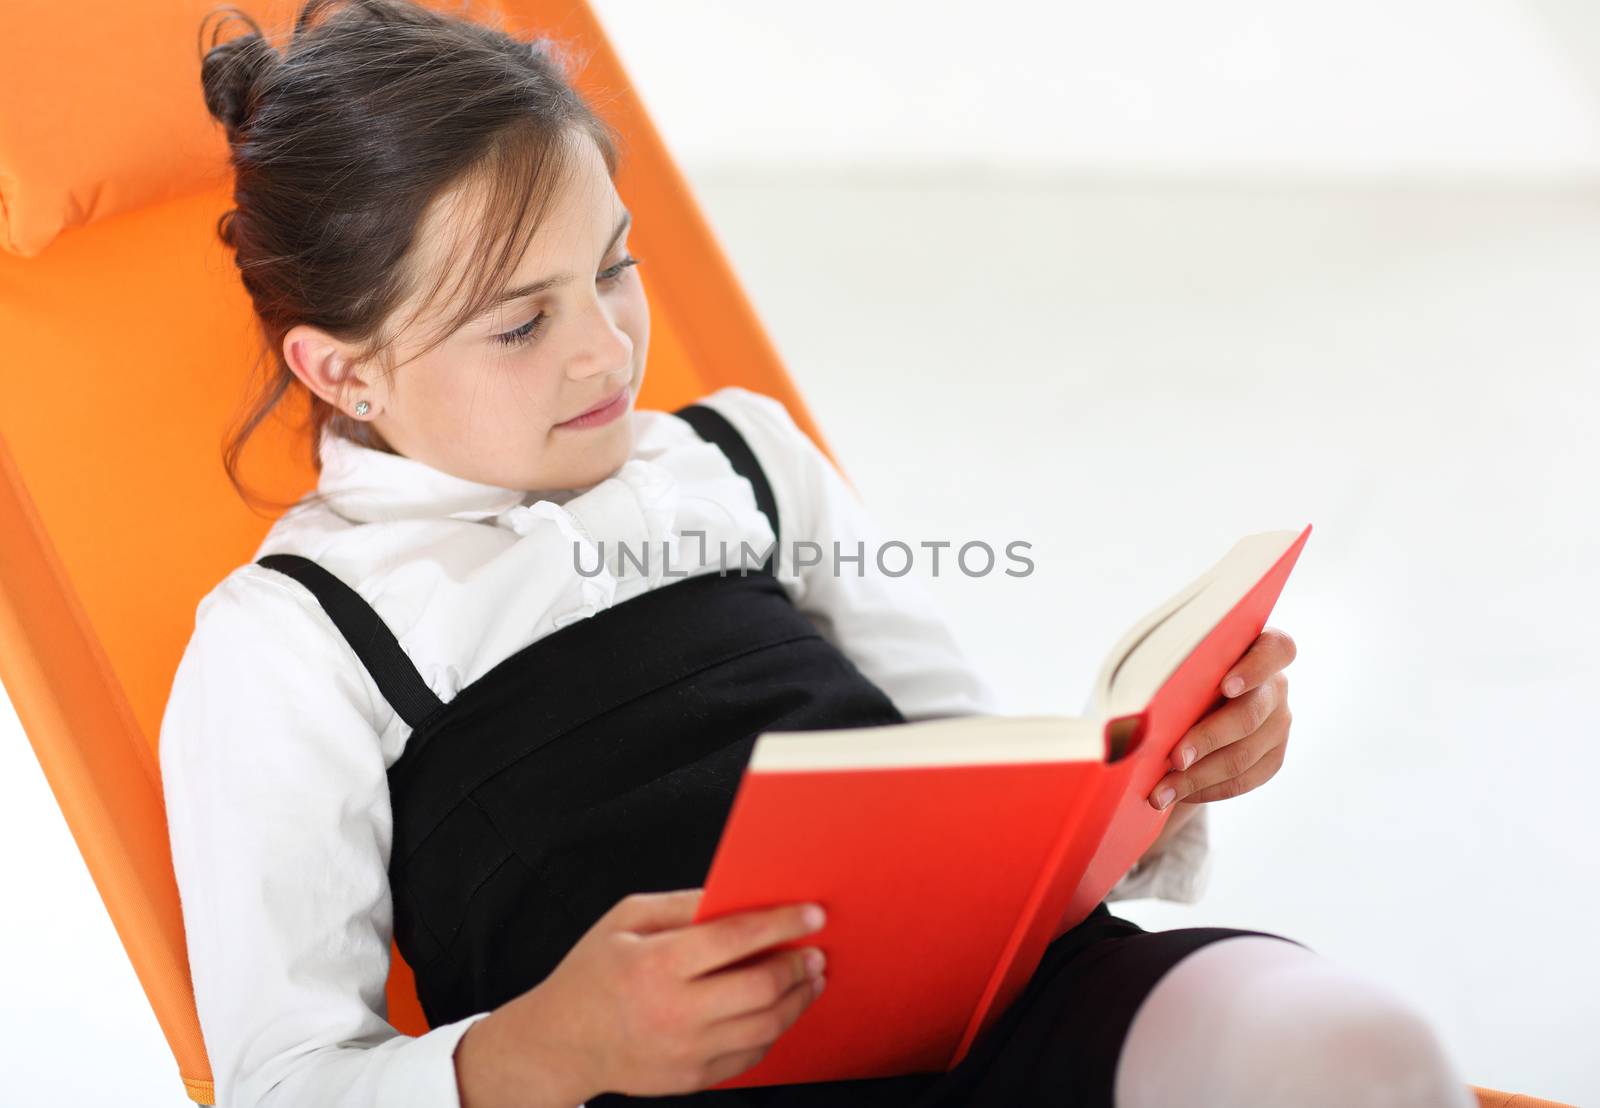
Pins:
x: 950, y: 852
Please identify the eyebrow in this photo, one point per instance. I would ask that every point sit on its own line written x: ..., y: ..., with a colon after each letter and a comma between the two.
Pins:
x: 521, y: 291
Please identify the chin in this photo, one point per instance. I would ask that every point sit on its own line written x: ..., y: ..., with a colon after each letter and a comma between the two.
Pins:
x: 608, y: 453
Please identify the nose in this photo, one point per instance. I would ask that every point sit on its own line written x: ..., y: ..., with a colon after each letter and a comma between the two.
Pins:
x: 604, y: 348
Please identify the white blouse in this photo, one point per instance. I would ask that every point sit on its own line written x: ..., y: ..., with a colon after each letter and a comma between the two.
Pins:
x: 276, y: 741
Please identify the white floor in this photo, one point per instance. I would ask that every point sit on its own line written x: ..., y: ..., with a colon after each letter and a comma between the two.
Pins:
x: 1130, y: 376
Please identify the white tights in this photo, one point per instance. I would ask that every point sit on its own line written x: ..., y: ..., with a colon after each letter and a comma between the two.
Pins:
x: 1255, y: 1022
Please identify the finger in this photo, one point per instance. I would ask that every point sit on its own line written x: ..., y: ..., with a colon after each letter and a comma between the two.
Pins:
x: 730, y: 993
x: 1208, y: 778
x: 754, y: 1031
x: 1229, y: 722
x: 1253, y: 778
x: 1272, y: 651
x: 729, y: 939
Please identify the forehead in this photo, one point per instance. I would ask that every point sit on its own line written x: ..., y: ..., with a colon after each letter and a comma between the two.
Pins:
x: 476, y: 219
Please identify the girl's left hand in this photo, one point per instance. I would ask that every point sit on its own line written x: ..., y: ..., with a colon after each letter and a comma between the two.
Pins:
x: 1239, y: 745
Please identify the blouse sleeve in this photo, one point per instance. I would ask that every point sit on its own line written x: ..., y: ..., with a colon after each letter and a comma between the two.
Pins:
x: 279, y: 823
x: 889, y: 626
x: 1179, y: 872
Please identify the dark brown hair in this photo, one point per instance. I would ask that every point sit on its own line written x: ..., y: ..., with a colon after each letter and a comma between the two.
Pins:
x: 339, y: 143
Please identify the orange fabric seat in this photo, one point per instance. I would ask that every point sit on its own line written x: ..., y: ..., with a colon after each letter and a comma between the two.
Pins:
x: 112, y: 178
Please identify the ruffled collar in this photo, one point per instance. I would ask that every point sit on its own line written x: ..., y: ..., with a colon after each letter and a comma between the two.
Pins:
x: 367, y: 485
x: 673, y: 481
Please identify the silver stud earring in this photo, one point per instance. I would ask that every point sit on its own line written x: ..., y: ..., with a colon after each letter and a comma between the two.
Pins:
x: 361, y: 407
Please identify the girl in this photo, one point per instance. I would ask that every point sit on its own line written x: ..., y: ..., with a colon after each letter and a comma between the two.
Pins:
x: 490, y: 690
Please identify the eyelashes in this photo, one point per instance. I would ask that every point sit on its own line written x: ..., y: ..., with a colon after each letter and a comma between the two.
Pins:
x: 535, y: 326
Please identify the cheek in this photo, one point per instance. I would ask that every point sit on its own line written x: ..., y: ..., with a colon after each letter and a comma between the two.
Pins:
x: 534, y: 393
x: 485, y: 391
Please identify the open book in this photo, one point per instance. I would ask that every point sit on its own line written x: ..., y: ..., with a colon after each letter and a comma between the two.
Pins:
x: 949, y: 853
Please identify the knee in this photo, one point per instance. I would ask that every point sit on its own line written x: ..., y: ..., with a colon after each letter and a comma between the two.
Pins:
x: 1361, y: 1044
x: 1260, y: 1023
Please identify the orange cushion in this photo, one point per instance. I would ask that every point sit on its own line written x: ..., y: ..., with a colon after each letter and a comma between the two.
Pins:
x: 101, y: 109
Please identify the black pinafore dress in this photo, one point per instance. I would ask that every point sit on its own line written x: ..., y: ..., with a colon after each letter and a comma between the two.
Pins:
x: 603, y: 759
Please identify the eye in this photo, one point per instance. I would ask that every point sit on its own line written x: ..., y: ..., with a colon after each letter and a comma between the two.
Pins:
x: 531, y: 329
x: 615, y: 272
x: 525, y: 333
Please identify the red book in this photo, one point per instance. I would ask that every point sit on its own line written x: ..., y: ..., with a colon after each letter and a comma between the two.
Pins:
x: 950, y: 852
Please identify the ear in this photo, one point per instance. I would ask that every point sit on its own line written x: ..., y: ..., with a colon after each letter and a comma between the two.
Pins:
x: 327, y: 367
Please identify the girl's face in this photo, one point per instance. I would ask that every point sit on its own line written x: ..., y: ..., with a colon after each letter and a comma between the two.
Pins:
x: 494, y: 402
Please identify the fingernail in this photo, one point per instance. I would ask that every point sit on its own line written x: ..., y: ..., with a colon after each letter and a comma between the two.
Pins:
x: 1185, y: 756
x: 817, y: 983
x: 1232, y: 685
x: 814, y: 962
x: 1164, y: 795
x: 813, y: 916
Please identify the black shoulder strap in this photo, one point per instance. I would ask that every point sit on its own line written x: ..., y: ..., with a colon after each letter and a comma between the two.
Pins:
x: 714, y: 427
x: 396, y: 675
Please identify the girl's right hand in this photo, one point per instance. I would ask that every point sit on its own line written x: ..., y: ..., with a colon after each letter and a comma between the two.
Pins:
x: 654, y: 1004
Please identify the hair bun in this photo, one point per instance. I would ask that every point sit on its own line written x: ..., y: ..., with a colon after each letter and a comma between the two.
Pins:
x: 231, y: 75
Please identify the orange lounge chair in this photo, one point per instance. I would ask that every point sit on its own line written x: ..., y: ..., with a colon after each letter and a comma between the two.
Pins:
x: 112, y: 177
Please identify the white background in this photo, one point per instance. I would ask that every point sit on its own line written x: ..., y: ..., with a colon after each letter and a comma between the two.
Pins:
x: 1128, y: 282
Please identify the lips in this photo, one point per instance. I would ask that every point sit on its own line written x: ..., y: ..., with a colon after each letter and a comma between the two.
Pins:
x: 606, y: 403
